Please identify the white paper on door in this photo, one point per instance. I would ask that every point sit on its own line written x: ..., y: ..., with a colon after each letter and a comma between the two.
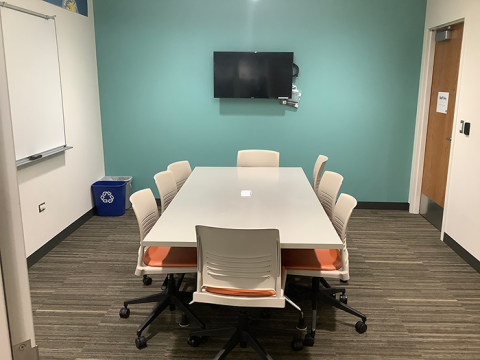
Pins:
x: 442, y: 102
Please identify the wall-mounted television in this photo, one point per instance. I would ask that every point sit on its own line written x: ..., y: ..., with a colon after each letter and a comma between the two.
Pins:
x: 264, y: 75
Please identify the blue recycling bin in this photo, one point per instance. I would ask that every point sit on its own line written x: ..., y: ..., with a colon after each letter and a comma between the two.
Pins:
x: 109, y: 197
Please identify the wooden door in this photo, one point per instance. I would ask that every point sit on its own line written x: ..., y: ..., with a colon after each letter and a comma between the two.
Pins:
x: 437, y: 148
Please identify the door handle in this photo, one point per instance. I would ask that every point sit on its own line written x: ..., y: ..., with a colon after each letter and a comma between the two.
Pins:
x: 449, y: 139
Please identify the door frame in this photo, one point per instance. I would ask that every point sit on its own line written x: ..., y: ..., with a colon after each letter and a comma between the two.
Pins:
x: 421, y: 125
x: 5, y: 342
x: 16, y: 285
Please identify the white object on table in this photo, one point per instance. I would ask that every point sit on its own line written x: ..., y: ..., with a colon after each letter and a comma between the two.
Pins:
x: 283, y: 200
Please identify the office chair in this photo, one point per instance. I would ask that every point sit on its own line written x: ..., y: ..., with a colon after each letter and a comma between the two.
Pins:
x: 318, y: 170
x: 181, y: 171
x: 160, y: 260
x: 242, y: 268
x: 167, y: 189
x: 258, y: 158
x: 325, y: 263
x: 327, y: 192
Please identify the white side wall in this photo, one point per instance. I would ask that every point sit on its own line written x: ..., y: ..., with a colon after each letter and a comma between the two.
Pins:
x: 462, y: 203
x: 63, y: 181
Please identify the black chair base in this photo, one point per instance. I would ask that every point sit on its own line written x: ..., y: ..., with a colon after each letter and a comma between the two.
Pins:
x: 326, y: 295
x: 242, y: 334
x: 147, y: 281
x: 170, y: 298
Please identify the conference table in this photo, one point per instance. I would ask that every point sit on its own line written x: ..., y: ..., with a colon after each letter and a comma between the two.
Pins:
x: 247, y: 198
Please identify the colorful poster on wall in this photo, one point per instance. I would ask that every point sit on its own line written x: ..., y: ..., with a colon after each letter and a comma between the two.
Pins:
x: 78, y: 6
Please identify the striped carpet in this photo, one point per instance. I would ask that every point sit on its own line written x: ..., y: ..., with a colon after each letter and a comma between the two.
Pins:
x: 422, y: 301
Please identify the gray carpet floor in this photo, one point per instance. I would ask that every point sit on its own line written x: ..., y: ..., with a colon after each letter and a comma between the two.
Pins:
x: 422, y: 301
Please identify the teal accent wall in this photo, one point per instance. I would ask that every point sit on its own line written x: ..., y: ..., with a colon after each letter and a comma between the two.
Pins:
x: 359, y: 74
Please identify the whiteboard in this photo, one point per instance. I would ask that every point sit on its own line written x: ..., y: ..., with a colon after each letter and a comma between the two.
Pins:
x: 33, y: 79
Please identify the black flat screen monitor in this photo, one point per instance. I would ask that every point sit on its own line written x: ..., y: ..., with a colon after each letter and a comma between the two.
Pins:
x: 264, y: 75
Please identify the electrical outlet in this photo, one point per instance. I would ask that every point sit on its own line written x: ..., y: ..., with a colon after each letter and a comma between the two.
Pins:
x: 42, y: 207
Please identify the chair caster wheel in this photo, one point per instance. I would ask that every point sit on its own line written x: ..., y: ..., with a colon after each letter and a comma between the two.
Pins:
x: 243, y: 344
x: 184, y: 322
x: 124, y: 312
x: 265, y: 313
x: 361, y: 327
x: 147, y: 280
x: 343, y: 281
x: 301, y: 324
x: 297, y: 344
x: 343, y: 298
x: 309, y: 340
x: 141, y: 342
x: 171, y: 307
x: 194, y: 341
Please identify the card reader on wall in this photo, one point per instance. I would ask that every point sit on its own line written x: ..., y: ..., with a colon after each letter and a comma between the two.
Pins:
x: 465, y: 128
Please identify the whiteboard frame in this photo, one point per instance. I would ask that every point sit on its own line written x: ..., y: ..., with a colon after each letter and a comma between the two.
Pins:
x: 59, y: 149
x: 43, y: 155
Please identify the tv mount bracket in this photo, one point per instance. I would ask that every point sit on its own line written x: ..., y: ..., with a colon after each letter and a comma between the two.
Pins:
x: 296, y: 94
x: 295, y: 70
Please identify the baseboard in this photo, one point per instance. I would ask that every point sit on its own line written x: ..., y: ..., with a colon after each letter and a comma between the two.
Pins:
x: 49, y: 246
x: 382, y: 205
x: 464, y: 254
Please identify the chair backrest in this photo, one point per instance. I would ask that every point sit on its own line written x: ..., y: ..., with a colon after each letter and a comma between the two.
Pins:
x: 258, y: 158
x: 341, y: 214
x: 245, y: 259
x: 328, y: 190
x: 181, y: 171
x: 318, y: 170
x: 167, y: 187
x: 340, y: 217
x: 146, y: 211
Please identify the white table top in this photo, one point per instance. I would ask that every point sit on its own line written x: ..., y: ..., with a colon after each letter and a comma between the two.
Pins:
x: 282, y: 198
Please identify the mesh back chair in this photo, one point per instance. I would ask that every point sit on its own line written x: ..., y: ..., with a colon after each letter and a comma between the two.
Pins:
x: 242, y: 268
x: 325, y: 263
x: 181, y: 171
x: 167, y: 188
x: 258, y: 158
x: 160, y: 260
x: 318, y: 170
x: 328, y: 190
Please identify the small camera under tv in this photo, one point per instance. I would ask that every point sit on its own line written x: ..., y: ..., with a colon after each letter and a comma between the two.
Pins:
x: 258, y: 75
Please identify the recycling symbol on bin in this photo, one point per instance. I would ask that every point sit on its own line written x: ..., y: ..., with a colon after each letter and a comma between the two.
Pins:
x: 107, y: 197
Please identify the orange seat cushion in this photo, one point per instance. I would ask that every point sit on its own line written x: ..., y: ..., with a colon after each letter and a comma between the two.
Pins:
x: 243, y: 292
x: 164, y: 256
x: 312, y: 259
x: 240, y: 292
